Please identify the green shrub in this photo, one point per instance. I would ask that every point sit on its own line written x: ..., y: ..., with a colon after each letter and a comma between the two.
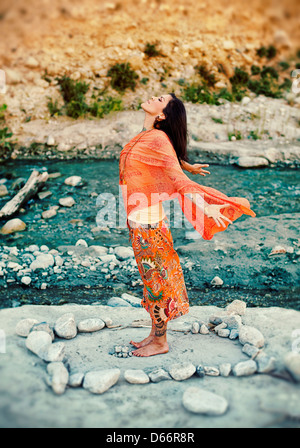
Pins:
x: 5, y: 136
x: 283, y: 65
x: 236, y: 134
x: 151, y: 51
x: 269, y: 70
x: 265, y: 86
x: 286, y: 85
x: 225, y: 94
x: 199, y: 93
x: 45, y: 76
x: 105, y: 105
x: 2, y: 112
x: 261, y: 52
x: 122, y: 77
x: 73, y: 93
x: 269, y: 52
x: 255, y: 70
x: 217, y: 120
x: 253, y: 135
x: 53, y: 108
x: 72, y: 90
x: 240, y: 77
x: 208, y: 77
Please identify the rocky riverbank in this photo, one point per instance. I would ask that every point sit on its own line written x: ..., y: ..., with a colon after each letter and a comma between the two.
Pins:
x: 58, y: 252
x: 268, y: 128
x: 209, y: 379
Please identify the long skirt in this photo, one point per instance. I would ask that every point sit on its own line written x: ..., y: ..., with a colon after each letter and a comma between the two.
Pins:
x: 164, y: 294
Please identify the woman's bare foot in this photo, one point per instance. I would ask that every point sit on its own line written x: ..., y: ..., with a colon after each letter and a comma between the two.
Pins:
x: 152, y: 348
x: 144, y: 342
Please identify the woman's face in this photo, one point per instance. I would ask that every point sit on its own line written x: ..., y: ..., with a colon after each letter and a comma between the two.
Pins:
x: 156, y: 104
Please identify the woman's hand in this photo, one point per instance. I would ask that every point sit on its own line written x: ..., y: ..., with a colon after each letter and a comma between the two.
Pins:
x: 197, y: 169
x: 213, y: 211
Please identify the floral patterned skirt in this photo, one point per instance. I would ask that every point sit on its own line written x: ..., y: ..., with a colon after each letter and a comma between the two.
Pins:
x: 164, y: 295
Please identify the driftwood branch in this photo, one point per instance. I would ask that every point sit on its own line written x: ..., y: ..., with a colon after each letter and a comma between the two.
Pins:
x: 34, y: 184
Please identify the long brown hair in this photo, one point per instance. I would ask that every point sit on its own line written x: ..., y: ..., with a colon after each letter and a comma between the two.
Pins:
x: 175, y: 126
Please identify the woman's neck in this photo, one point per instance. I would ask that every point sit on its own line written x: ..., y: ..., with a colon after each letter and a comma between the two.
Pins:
x: 148, y: 122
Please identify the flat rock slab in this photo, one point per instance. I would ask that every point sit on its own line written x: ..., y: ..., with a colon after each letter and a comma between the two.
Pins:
x: 27, y: 401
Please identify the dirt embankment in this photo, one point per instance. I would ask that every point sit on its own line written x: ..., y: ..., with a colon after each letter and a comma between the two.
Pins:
x: 83, y: 39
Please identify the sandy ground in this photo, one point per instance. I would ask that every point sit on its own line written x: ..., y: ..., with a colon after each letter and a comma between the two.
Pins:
x: 257, y: 401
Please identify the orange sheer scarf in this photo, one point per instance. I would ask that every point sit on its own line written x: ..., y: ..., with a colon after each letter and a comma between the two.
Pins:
x: 150, y: 173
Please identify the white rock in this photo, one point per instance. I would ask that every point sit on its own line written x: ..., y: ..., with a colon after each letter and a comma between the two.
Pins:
x: 74, y: 181
x: 250, y: 350
x: 98, y: 382
x: 211, y: 371
x: 67, y: 202
x: 33, y: 248
x: 43, y: 261
x: 237, y: 307
x: 54, y: 353
x: 182, y: 371
x: 98, y: 250
x: 224, y: 333
x: 250, y: 335
x: 245, y: 368
x: 59, y: 377
x: 108, y: 321
x: 90, y: 325
x: 158, y: 375
x: 265, y: 363
x: 38, y: 342
x: 58, y: 261
x: 124, y: 252
x: 108, y: 258
x: 82, y: 242
x: 43, y: 326
x: 252, y: 161
x: 48, y: 214
x: 65, y: 327
x: 12, y: 226
x: 31, y: 62
x: 136, y: 377
x: 292, y: 364
x: 26, y: 280
x: 204, y: 329
x: 195, y: 328
x: 24, y: 326
x: 202, y: 401
x: 228, y: 45
x: 216, y: 281
x: 117, y: 301
x: 133, y: 300
x: 245, y: 100
x: 232, y: 321
x: 76, y: 379
x: 225, y: 369
x: 50, y: 140
x: 3, y: 191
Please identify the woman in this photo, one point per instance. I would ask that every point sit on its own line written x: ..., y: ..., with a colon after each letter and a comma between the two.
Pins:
x: 150, y: 172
